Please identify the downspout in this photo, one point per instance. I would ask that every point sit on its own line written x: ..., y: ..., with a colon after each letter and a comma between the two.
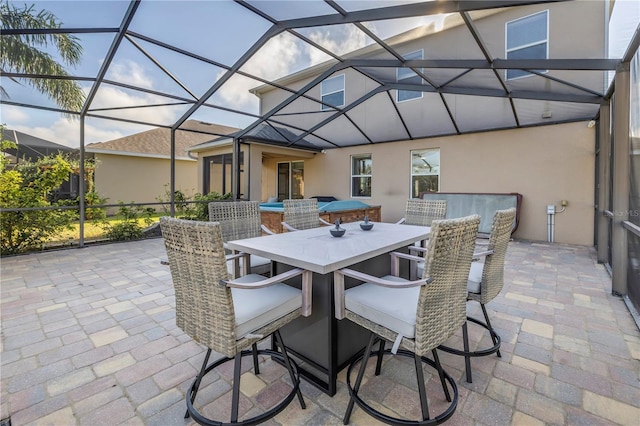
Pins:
x: 551, y: 219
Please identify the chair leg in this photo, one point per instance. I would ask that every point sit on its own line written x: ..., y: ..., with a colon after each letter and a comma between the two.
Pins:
x: 380, y: 355
x: 421, y: 390
x: 467, y: 358
x: 280, y: 342
x: 196, y: 385
x: 356, y: 387
x: 492, y: 332
x: 436, y: 359
x: 235, y: 398
x: 256, y: 367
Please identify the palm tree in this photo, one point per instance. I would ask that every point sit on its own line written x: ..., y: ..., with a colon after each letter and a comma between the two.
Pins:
x: 21, y: 54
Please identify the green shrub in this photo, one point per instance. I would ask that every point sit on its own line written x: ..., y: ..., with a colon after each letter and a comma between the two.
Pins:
x: 129, y: 228
x: 29, y: 185
x: 201, y: 209
x: 186, y: 209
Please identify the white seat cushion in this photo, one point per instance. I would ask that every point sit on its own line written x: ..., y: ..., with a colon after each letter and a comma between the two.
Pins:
x: 256, y: 308
x: 420, y: 269
x: 393, y: 308
x: 475, y: 277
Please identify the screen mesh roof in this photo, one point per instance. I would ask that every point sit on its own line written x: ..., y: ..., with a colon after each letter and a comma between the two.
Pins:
x: 210, y: 60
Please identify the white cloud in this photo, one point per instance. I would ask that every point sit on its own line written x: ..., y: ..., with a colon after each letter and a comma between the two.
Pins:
x: 274, y: 60
x: 111, y: 97
x: 129, y: 72
x: 59, y: 129
x: 281, y: 56
x: 11, y: 114
x: 339, y: 39
x: 67, y: 132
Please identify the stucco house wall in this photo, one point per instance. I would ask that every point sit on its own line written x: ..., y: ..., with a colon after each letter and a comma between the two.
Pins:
x: 141, y: 179
x: 545, y: 164
x: 137, y: 167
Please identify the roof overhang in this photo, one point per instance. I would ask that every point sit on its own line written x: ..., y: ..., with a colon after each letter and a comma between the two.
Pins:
x: 136, y: 154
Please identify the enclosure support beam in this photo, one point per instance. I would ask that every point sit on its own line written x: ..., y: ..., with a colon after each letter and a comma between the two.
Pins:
x: 602, y: 184
x: 620, y: 177
x: 81, y: 184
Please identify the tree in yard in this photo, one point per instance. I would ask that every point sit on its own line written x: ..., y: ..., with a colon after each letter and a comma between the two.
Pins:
x: 23, y: 54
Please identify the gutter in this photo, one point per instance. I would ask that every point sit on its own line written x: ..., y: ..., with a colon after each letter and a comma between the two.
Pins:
x: 137, y: 154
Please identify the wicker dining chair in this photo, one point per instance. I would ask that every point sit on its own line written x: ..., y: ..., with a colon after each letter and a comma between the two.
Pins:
x: 423, y: 212
x: 302, y: 214
x: 228, y: 316
x: 485, y: 283
x: 417, y: 316
x: 238, y: 220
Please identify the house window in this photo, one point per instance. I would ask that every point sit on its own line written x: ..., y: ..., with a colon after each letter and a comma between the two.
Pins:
x: 425, y: 171
x: 527, y: 38
x: 290, y: 180
x: 333, y: 92
x: 361, y: 175
x: 407, y: 76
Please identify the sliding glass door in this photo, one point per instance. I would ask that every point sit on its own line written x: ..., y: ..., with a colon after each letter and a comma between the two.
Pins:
x: 290, y: 180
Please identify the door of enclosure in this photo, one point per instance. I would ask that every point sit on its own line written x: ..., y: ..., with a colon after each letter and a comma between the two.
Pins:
x: 218, y: 171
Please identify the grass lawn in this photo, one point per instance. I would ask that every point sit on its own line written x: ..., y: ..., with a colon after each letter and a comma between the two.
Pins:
x: 95, y: 230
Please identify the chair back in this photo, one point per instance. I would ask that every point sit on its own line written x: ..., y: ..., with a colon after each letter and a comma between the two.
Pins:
x: 442, y: 302
x: 204, y: 308
x: 238, y: 219
x: 302, y: 214
x: 493, y: 270
x: 423, y: 212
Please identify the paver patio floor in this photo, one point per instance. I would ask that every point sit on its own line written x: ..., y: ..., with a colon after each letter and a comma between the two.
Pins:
x: 89, y: 338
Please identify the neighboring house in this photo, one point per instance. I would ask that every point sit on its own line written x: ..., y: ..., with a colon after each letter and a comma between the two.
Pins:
x: 545, y: 153
x: 32, y: 148
x: 137, y: 168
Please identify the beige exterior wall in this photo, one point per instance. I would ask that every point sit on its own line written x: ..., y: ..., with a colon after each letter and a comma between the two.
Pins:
x: 141, y: 179
x: 545, y: 164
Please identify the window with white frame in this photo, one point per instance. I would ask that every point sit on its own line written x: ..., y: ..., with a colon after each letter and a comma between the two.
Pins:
x: 407, y: 76
x: 361, y: 175
x: 333, y: 92
x: 425, y: 171
x: 527, y: 38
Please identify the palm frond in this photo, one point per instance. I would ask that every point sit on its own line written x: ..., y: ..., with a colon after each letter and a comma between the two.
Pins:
x: 21, y: 54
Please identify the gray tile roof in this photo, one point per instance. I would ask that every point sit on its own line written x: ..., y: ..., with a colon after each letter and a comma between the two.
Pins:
x: 158, y: 141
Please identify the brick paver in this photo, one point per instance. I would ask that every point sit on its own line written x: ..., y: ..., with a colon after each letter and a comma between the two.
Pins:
x: 89, y: 338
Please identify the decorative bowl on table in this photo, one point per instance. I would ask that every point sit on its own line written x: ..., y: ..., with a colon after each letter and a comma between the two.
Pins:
x: 337, y: 231
x: 366, y: 225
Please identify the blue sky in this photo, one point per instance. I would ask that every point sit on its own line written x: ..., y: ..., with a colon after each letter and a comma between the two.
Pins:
x: 219, y: 30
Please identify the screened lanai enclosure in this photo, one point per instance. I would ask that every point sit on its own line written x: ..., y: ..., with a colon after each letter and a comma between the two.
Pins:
x: 149, y: 64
